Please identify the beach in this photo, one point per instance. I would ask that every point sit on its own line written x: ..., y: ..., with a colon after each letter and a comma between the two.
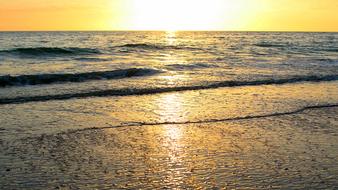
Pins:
x: 164, y: 110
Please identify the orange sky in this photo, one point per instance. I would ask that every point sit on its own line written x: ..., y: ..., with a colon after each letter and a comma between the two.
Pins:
x: 257, y: 15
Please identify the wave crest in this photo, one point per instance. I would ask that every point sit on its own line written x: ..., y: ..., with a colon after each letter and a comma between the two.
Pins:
x: 76, y: 77
x: 270, y: 45
x: 51, y: 51
x: 146, y: 46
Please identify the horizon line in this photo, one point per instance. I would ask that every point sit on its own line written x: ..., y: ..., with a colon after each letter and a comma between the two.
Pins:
x: 276, y: 31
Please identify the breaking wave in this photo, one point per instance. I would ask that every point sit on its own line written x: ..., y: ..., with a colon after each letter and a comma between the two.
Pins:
x: 51, y: 51
x: 73, y: 77
x: 149, y: 91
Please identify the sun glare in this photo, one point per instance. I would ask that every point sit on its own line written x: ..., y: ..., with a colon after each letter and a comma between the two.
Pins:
x: 224, y: 15
x: 182, y: 14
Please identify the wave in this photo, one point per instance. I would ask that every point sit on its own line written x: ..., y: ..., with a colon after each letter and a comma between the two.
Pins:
x: 267, y: 45
x: 156, y: 47
x: 149, y: 91
x: 51, y: 51
x: 71, y: 51
x: 294, y: 47
x: 92, y: 59
x: 41, y: 79
x: 331, y: 50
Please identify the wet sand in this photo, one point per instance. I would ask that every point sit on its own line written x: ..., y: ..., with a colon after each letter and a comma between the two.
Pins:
x: 292, y: 151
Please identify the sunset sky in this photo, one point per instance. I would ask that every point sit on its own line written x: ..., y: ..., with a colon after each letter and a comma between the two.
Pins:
x: 248, y: 15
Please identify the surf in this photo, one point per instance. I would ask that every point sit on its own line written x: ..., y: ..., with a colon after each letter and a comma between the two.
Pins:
x: 150, y: 91
x: 43, y: 79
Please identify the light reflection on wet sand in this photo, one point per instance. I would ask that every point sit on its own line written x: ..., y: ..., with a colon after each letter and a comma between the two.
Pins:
x: 170, y: 108
x: 292, y: 151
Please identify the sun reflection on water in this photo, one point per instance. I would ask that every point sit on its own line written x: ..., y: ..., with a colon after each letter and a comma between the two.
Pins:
x: 171, y: 38
x: 172, y: 58
x: 171, y: 109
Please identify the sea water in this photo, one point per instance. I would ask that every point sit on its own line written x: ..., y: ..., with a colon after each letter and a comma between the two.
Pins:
x: 38, y: 66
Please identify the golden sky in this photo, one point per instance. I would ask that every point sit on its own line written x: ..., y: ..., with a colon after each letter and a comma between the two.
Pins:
x: 248, y: 15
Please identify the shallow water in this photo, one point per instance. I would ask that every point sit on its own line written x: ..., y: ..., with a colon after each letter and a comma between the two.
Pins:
x: 48, y: 117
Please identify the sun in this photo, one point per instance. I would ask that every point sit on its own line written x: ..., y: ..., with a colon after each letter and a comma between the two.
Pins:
x: 181, y: 14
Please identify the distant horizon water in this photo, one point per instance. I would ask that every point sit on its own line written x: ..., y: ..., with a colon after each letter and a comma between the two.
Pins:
x: 266, y: 31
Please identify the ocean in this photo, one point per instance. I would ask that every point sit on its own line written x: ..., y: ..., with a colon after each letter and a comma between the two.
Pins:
x: 74, y: 88
x: 46, y: 65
